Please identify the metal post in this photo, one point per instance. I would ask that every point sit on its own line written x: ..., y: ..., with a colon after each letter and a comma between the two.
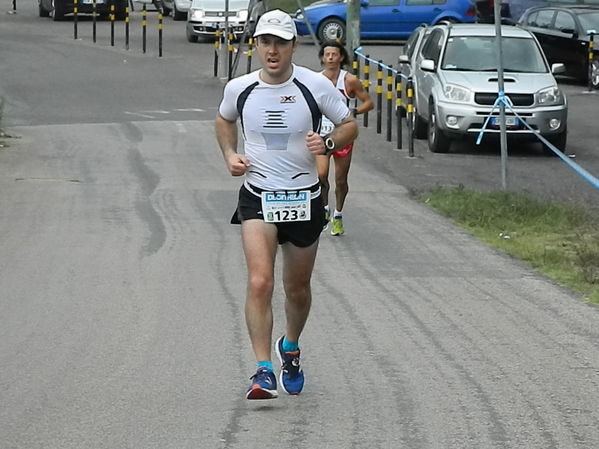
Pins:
x: 591, y: 56
x: 366, y: 84
x: 94, y: 21
x: 160, y: 34
x: 75, y: 11
x: 353, y: 24
x: 500, y: 87
x: 389, y: 103
x: 379, y: 96
x: 144, y: 24
x: 112, y: 23
x: 398, y: 110
x: 410, y: 118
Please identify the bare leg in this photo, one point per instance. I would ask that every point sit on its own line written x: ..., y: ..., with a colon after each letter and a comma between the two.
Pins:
x: 260, y: 248
x: 342, y: 165
x: 297, y: 272
x: 322, y: 165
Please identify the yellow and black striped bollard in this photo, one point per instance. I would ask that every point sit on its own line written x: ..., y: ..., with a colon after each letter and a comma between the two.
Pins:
x: 112, y: 17
x: 250, y: 45
x: 144, y: 23
x: 160, y: 34
x: 366, y: 84
x: 379, y: 96
x: 75, y: 11
x: 389, y: 103
x: 355, y: 71
x: 230, y: 53
x: 591, y: 56
x: 410, y: 118
x: 398, y: 109
x: 216, y: 50
x: 94, y: 20
x: 127, y: 27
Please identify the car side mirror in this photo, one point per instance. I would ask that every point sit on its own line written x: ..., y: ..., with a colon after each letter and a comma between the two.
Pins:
x: 364, y: 3
x: 403, y: 59
x: 558, y: 68
x: 428, y: 65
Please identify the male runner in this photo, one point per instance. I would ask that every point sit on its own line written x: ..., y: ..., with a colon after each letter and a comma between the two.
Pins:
x: 279, y: 109
x: 334, y: 58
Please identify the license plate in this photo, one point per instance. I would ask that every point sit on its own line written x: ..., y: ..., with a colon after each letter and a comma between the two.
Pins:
x: 509, y: 121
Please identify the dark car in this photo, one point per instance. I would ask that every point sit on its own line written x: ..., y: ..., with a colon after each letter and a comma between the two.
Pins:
x: 514, y: 9
x: 564, y: 36
x: 59, y: 8
x: 486, y: 10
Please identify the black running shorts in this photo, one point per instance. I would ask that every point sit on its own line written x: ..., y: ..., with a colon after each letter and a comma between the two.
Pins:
x: 299, y: 233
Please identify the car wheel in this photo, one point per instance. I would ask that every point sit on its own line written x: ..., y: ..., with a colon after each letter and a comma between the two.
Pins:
x: 166, y: 11
x: 331, y: 29
x: 58, y: 10
x: 559, y: 141
x: 438, y: 142
x: 43, y: 11
x: 418, y: 125
x: 190, y: 36
x: 595, y: 74
x: 178, y: 15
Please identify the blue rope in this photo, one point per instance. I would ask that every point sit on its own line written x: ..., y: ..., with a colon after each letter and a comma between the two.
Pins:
x: 501, y: 98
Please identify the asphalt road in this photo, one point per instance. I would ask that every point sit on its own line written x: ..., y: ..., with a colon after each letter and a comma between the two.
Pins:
x: 122, y: 284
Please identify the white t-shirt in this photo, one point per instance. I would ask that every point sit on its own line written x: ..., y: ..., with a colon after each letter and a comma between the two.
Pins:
x: 275, y: 120
x: 351, y: 102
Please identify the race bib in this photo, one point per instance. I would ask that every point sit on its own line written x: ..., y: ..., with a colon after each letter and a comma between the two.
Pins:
x: 284, y: 207
x: 326, y: 127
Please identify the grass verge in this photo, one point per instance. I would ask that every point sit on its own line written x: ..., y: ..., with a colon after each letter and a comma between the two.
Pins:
x: 559, y: 240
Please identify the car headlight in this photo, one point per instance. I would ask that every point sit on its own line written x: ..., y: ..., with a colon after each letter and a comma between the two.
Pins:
x: 299, y: 15
x: 550, y: 96
x: 456, y: 93
x: 197, y: 14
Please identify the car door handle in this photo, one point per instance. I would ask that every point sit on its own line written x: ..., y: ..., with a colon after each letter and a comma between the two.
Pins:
x: 395, y: 10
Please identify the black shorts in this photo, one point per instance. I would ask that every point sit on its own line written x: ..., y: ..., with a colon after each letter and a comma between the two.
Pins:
x: 299, y: 233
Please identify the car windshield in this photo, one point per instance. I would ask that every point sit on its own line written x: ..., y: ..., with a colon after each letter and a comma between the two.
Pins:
x: 590, y: 21
x: 479, y: 54
x: 234, y: 5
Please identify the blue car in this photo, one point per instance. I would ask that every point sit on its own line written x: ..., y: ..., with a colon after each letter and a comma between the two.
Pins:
x: 381, y: 19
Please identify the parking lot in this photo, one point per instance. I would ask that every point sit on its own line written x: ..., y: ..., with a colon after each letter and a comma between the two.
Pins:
x: 182, y: 79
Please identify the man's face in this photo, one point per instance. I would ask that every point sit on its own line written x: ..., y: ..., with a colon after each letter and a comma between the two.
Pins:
x: 276, y: 54
x: 331, y: 58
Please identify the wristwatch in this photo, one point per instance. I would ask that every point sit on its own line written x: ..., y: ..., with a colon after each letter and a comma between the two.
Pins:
x: 329, y: 145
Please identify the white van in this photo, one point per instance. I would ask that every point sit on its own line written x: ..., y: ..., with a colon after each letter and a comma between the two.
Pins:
x: 206, y: 16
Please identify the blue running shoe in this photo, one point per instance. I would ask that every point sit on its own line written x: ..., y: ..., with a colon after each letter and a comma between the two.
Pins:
x: 292, y: 376
x: 264, y: 385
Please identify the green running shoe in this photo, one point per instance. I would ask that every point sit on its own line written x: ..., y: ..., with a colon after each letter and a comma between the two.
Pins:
x: 327, y: 218
x: 337, y: 226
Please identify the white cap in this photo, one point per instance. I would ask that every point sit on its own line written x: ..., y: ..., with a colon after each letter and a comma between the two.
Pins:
x: 278, y: 23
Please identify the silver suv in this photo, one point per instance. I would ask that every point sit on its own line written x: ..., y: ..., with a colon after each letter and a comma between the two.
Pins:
x: 455, y: 83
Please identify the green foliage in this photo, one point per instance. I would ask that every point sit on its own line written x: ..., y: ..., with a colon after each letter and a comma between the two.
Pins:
x: 559, y: 240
